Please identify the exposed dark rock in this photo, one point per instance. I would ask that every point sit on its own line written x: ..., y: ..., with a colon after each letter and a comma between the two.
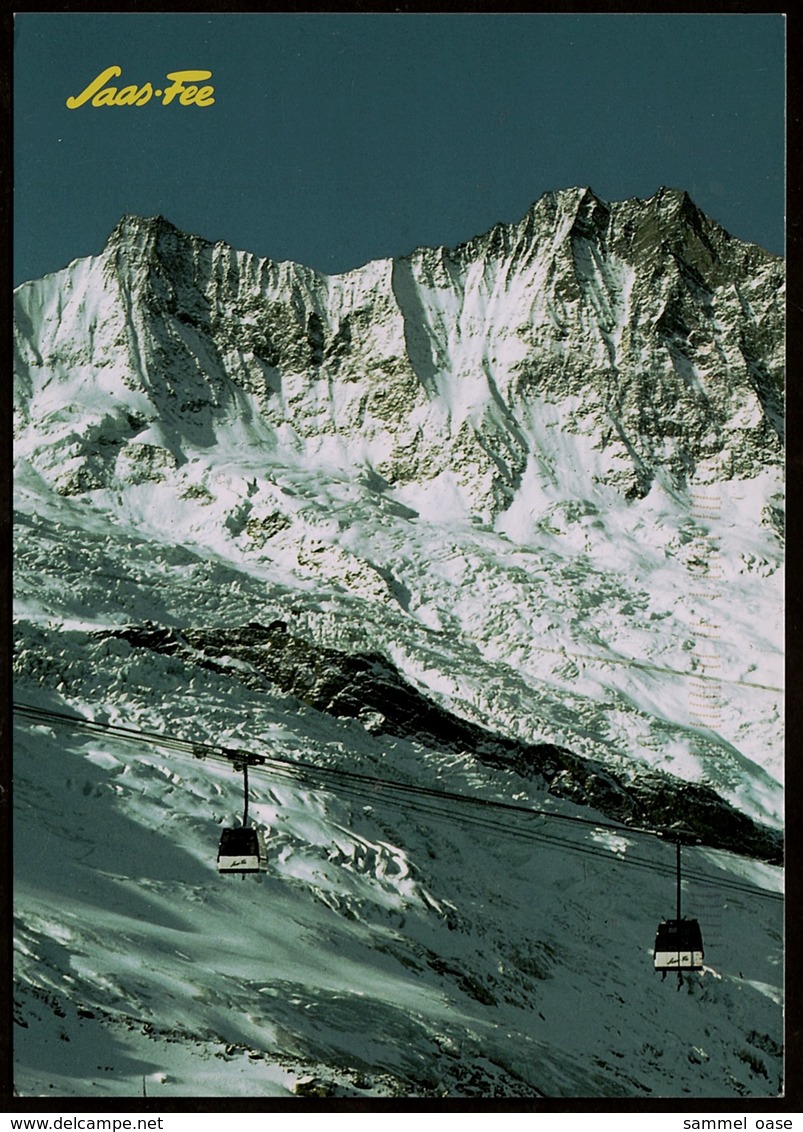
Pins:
x: 667, y: 325
x: 356, y: 685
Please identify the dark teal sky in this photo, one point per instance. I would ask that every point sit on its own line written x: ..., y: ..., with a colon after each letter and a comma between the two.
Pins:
x: 339, y: 138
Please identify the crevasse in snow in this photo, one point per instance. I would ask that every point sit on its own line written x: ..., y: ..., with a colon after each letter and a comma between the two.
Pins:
x: 540, y: 473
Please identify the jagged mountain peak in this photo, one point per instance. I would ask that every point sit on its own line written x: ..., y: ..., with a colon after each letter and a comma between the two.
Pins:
x: 575, y: 211
x: 149, y: 241
x: 151, y: 232
x: 146, y: 232
x: 439, y: 364
x: 132, y: 223
x: 491, y: 525
x: 672, y: 198
x: 653, y: 234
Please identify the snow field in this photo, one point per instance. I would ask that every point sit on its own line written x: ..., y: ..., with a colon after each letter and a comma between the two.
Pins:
x: 452, y: 460
x: 373, y: 935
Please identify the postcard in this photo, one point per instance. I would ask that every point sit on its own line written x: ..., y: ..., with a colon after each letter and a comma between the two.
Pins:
x: 398, y: 570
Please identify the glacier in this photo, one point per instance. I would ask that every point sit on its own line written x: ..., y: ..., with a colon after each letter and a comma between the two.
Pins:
x: 540, y: 476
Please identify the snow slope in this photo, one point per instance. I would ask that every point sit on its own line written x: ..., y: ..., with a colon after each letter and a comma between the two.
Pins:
x: 454, y: 467
x: 395, y: 947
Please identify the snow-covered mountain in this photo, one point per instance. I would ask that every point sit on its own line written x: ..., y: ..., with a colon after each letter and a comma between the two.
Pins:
x: 502, y: 521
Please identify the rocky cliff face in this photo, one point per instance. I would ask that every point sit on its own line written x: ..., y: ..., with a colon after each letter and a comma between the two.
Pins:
x: 368, y: 688
x: 481, y: 549
x: 641, y: 326
x: 531, y: 470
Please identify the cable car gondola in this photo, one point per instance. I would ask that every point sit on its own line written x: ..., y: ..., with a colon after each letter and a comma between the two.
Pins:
x: 242, y: 848
x: 678, y: 946
x: 679, y: 942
